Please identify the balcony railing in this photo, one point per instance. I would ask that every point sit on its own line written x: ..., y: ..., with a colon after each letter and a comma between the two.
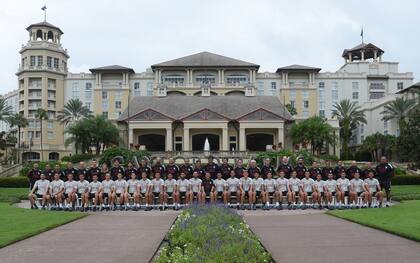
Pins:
x: 42, y: 67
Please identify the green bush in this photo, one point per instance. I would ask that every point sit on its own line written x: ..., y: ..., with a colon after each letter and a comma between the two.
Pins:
x: 75, y: 158
x: 406, y: 180
x: 126, y: 154
x: 28, y: 166
x: 329, y: 157
x: 211, y: 234
x: 307, y: 155
x: 15, y: 181
x: 399, y: 171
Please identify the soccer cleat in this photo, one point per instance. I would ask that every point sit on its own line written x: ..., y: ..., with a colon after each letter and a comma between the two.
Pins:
x: 35, y: 206
x: 289, y: 206
x: 387, y: 204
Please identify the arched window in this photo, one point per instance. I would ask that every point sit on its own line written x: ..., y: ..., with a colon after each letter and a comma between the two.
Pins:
x: 39, y: 34
x: 53, y: 156
x: 235, y: 93
x: 50, y: 36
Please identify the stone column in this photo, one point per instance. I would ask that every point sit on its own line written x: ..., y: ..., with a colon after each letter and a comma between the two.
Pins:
x: 349, y: 57
x: 219, y: 76
x: 186, y: 140
x: 375, y: 54
x: 280, y: 136
x: 130, y: 136
x: 225, y: 139
x: 168, y: 144
x: 223, y: 76
x: 188, y: 77
x: 242, y: 139
x: 362, y: 55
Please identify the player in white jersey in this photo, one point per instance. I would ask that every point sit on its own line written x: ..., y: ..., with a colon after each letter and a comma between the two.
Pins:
x: 83, y: 192
x: 70, y: 189
x: 331, y: 190
x: 283, y: 189
x: 307, y: 187
x: 373, y: 188
x: 56, y: 190
x: 245, y: 187
x: 107, y: 189
x: 258, y: 190
x: 270, y: 191
x: 120, y: 195
x: 171, y: 191
x: 145, y: 190
x: 343, y: 189
x: 356, y: 190
x: 133, y: 191
x: 295, y: 186
x: 39, y: 190
x: 220, y: 185
x: 157, y: 185
x: 94, y: 191
x: 319, y: 191
x: 184, y: 188
x: 233, y: 187
x: 195, y: 187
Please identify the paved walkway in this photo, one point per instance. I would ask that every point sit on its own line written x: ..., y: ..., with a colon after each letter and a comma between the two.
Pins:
x: 313, y: 238
x: 101, y: 237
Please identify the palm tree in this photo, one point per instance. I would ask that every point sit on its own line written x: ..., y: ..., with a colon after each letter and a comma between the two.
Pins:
x: 5, y: 110
x: 41, y: 114
x: 19, y: 121
x: 74, y: 110
x: 398, y: 109
x: 349, y: 116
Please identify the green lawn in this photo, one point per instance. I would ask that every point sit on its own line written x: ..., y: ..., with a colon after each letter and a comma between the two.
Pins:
x: 19, y: 223
x: 402, y: 219
x: 13, y: 195
x: 405, y: 192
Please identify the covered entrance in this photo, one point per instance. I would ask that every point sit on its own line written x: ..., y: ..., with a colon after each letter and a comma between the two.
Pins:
x: 199, y: 139
x: 259, y: 141
x: 152, y: 142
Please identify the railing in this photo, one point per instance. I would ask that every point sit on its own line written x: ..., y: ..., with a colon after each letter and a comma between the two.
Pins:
x: 42, y: 67
x: 10, y: 171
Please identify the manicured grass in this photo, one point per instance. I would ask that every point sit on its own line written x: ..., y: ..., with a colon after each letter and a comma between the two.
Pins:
x: 405, y: 192
x: 13, y: 195
x: 19, y: 223
x: 402, y: 219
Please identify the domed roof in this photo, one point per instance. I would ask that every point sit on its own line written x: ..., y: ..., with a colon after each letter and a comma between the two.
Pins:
x: 45, y: 24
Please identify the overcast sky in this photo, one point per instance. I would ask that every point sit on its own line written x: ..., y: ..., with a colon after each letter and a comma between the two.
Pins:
x: 269, y: 33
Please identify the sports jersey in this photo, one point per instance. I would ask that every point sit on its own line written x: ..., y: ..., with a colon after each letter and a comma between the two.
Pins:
x: 72, y: 171
x: 352, y: 170
x: 343, y: 184
x: 195, y: 184
x: 49, y: 174
x: 257, y: 184
x: 365, y: 173
x: 94, y: 187
x: 158, y: 168
x: 267, y: 169
x: 283, y: 184
x: 145, y: 169
x: 232, y: 184
x: 172, y: 169
x: 319, y: 185
x: 357, y: 185
x: 128, y: 171
x: 83, y: 171
x: 225, y: 170
x: 372, y: 184
x: 170, y: 185
x: 314, y: 171
x: 34, y: 175
x: 300, y: 171
x: 294, y: 184
x: 220, y: 185
x: 239, y: 171
x: 41, y: 186
x: 186, y: 169
x: 326, y: 171
x: 338, y: 170
x: 253, y: 170
x: 94, y: 171
x: 207, y: 185
x: 307, y: 184
x: 120, y: 186
x: 270, y: 185
x: 200, y: 171
x: 331, y: 185
x: 82, y: 186
x: 115, y: 170
x: 212, y: 168
x: 107, y: 186
x: 246, y: 183
x: 286, y: 169
x: 56, y: 186
x: 69, y: 186
x: 144, y: 185
x: 183, y: 185
x: 157, y: 185
x: 384, y: 172
x: 132, y: 185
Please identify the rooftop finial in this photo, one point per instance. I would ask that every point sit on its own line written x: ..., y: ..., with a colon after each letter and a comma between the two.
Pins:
x: 361, y: 34
x: 44, y: 8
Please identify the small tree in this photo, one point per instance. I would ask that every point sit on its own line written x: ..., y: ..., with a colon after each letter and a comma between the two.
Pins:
x: 378, y: 144
x: 408, y: 143
x: 399, y: 110
x: 19, y: 121
x: 74, y: 110
x: 292, y: 110
x: 41, y: 115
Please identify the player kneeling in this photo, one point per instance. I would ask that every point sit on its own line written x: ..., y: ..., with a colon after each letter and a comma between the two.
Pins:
x: 170, y: 192
x: 207, y: 189
x: 133, y: 192
x: 257, y: 190
x: 39, y: 190
x: 373, y: 189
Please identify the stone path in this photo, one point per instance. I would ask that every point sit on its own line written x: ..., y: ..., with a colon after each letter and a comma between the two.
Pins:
x: 101, y: 237
x: 319, y: 238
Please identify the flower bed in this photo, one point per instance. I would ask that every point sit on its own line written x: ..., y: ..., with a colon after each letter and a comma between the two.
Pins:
x: 211, y: 234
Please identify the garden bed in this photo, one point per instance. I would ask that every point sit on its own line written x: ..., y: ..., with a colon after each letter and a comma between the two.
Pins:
x: 211, y: 234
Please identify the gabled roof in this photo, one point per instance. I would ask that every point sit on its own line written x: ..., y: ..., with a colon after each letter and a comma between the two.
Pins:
x: 205, y: 59
x: 231, y: 107
x: 296, y: 67
x: 112, y: 68
x: 362, y: 46
x: 44, y: 24
x: 414, y: 86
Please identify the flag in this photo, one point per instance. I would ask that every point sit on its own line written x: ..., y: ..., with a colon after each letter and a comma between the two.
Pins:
x: 44, y: 8
x: 361, y: 32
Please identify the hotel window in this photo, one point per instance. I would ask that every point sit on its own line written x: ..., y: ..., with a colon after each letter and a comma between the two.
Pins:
x: 306, y: 104
x: 400, y: 85
x: 355, y: 95
x: 321, y: 85
x: 117, y: 114
x: 149, y: 88
x: 362, y: 128
x: 32, y: 63
x: 260, y: 89
x: 178, y: 143
x: 105, y: 105
x: 56, y: 61
x: 49, y: 62
x: 305, y: 94
x: 322, y: 113
x: 377, y: 85
x: 118, y: 95
x: 38, y: 134
x: 50, y: 135
x: 104, y: 95
x: 322, y: 105
x: 292, y: 94
x: 273, y: 88
x: 385, y: 124
x: 137, y: 91
x: 205, y: 79
x: 305, y: 113
x: 88, y: 105
x: 355, y: 85
x: 88, y: 91
x: 321, y: 90
x: 118, y: 104
x: 362, y: 138
x: 334, y: 91
x: 237, y: 78
x: 105, y: 114
x: 40, y: 60
x: 75, y: 90
x: 292, y: 104
x: 176, y: 79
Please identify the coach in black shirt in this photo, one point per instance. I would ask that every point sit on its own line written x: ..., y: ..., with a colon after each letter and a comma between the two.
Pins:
x: 384, y: 172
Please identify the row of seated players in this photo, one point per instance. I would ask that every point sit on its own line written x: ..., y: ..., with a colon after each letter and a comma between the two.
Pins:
x: 341, y: 192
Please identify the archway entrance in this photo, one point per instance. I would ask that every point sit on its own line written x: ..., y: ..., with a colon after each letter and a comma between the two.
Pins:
x: 153, y: 142
x: 259, y: 141
x: 199, y: 139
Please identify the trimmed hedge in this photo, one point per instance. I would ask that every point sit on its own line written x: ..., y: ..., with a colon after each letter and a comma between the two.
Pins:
x: 75, y: 158
x: 15, y: 181
x: 406, y: 180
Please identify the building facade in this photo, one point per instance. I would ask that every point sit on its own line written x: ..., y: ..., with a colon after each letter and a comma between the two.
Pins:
x: 115, y: 92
